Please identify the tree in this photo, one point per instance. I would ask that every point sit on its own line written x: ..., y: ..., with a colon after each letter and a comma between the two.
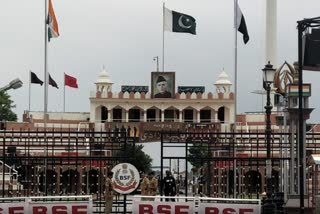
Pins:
x: 133, y: 154
x: 197, y: 153
x: 6, y: 104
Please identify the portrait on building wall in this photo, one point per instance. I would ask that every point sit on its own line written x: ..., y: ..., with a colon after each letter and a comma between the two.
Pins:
x: 163, y: 84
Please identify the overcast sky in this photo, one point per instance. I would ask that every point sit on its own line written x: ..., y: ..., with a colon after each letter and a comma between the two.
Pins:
x: 125, y: 35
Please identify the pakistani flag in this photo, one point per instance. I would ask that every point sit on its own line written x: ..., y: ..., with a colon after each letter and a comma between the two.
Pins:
x: 241, y: 25
x: 179, y: 22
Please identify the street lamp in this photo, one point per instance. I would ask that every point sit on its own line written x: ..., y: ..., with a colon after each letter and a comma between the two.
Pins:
x: 268, y: 78
x: 14, y: 84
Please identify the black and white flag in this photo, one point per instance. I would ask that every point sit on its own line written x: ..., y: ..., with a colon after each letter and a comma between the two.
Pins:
x: 241, y: 25
x: 179, y: 22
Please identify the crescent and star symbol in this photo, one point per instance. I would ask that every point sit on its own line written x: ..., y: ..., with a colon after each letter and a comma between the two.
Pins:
x: 185, y: 19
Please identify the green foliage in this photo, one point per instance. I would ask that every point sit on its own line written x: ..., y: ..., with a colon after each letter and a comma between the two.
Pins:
x: 197, y: 152
x: 6, y: 104
x: 134, y: 155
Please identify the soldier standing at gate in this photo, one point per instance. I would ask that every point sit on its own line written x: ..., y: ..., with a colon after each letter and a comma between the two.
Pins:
x: 144, y: 185
x: 109, y: 193
x: 169, y: 185
x: 153, y: 185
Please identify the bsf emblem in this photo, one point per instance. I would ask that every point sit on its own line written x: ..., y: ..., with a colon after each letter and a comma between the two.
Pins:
x: 125, y: 178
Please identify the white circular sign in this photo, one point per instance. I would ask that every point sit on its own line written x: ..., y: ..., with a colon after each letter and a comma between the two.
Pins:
x: 125, y: 178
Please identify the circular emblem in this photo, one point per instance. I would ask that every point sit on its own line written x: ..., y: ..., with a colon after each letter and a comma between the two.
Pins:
x: 125, y: 178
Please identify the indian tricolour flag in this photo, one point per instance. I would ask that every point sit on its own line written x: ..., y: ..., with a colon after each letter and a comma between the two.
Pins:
x: 53, y: 30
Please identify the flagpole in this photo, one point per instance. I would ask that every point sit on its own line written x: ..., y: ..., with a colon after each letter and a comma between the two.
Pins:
x: 29, y: 89
x: 64, y: 92
x: 235, y: 97
x: 163, y: 19
x: 45, y: 106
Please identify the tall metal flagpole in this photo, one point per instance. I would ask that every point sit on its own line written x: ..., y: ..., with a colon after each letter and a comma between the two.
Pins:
x: 235, y: 98
x: 163, y: 20
x: 64, y: 92
x: 29, y: 89
x: 45, y: 106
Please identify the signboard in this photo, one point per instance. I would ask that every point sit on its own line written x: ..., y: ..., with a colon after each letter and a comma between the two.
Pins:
x: 150, y: 207
x: 162, y: 207
x: 208, y: 208
x: 191, y: 89
x: 47, y: 207
x: 134, y: 88
x: 125, y: 178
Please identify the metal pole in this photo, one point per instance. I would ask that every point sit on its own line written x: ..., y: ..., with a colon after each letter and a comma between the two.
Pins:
x: 163, y: 20
x: 301, y: 170
x: 235, y: 99
x: 268, y: 108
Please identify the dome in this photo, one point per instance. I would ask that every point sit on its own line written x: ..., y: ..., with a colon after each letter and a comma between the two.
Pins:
x: 223, y: 79
x: 104, y: 77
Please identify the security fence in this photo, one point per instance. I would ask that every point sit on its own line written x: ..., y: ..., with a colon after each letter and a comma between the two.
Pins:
x: 224, y: 165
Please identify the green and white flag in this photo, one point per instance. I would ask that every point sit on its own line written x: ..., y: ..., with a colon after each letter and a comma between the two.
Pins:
x: 179, y: 22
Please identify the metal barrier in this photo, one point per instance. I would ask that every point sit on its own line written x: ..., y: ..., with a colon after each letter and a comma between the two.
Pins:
x: 61, y: 163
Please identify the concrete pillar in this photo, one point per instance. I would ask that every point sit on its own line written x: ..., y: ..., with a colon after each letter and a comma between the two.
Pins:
x: 162, y: 115
x: 180, y: 115
x: 271, y: 32
x: 198, y: 116
x: 127, y: 116
x: 109, y: 115
x: 145, y: 116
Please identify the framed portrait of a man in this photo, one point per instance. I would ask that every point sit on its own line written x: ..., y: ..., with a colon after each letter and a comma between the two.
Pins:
x: 163, y: 84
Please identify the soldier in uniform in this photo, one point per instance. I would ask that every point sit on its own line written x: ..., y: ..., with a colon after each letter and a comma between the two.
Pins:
x: 169, y: 185
x: 144, y: 185
x: 153, y: 185
x: 109, y: 193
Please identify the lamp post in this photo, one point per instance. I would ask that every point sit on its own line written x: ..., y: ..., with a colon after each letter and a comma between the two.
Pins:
x: 268, y: 77
x: 14, y: 84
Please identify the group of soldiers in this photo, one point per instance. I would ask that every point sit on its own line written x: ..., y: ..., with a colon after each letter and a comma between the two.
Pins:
x: 148, y: 185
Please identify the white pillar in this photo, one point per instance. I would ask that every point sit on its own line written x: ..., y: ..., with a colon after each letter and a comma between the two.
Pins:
x: 162, y: 115
x: 198, y: 116
x: 109, y: 115
x: 127, y: 115
x: 271, y: 32
x: 145, y: 116
x: 180, y: 115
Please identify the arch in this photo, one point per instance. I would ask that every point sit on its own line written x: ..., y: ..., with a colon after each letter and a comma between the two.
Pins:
x: 25, y: 177
x: 153, y: 114
x: 221, y: 114
x: 189, y: 114
x: 135, y: 114
x: 171, y: 114
x: 252, y: 181
x: 231, y: 182
x: 206, y: 115
x: 51, y: 180
x: 69, y: 181
x: 101, y: 113
x: 91, y: 180
x: 118, y: 114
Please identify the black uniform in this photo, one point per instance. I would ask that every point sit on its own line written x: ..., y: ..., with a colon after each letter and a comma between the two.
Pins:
x: 169, y: 186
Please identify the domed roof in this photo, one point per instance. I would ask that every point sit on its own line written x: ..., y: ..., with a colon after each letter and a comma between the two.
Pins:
x: 104, y: 77
x: 223, y: 79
